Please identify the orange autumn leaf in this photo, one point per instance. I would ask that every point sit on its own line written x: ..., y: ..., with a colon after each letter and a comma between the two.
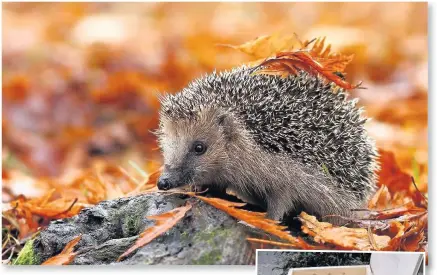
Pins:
x: 44, y: 207
x: 164, y: 222
x: 406, y: 224
x: 66, y: 256
x: 290, y: 63
x: 317, y: 60
x: 380, y: 199
x: 88, y: 188
x: 257, y: 220
x: 409, y: 235
x: 267, y: 45
x: 342, y: 237
x: 414, y: 237
x: 16, y: 88
x: 334, y: 62
x: 390, y: 174
x: 398, y: 229
x: 65, y: 199
x: 149, y: 183
x: 153, y: 178
x: 60, y: 208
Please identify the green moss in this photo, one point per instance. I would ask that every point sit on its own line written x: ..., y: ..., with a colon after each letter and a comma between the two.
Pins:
x: 213, y: 257
x: 131, y: 225
x: 184, y: 236
x: 210, y: 238
x: 27, y: 255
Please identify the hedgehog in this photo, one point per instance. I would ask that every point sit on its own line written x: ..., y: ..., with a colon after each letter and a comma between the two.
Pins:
x: 286, y: 144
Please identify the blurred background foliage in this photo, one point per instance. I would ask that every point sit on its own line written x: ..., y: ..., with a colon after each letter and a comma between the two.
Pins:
x: 80, y: 80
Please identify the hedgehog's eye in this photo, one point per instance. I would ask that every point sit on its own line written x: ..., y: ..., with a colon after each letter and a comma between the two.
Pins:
x: 199, y: 147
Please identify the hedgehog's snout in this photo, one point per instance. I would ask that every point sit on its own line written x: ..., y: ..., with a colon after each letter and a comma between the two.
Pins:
x: 171, y: 178
x: 167, y: 181
x: 164, y: 183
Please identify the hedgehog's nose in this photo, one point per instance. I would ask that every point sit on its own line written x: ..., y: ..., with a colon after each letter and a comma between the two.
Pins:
x: 163, y: 183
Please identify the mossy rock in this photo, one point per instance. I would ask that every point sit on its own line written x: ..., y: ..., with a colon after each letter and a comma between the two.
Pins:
x: 205, y: 236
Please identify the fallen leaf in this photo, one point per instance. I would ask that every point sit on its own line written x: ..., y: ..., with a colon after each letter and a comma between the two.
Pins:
x: 267, y: 45
x: 334, y: 62
x: 381, y: 199
x: 398, y: 229
x: 291, y: 63
x: 390, y: 174
x: 341, y: 237
x: 150, y: 182
x: 164, y: 222
x: 66, y: 256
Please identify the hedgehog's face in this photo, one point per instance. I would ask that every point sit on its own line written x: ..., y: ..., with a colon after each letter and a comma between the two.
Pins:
x: 194, y: 150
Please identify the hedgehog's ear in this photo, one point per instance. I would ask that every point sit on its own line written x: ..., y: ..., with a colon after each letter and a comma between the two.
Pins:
x: 228, y: 123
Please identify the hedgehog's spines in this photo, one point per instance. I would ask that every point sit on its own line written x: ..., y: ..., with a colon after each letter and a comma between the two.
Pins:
x: 298, y: 116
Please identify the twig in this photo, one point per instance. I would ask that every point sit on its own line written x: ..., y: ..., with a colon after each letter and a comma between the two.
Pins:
x: 381, y: 210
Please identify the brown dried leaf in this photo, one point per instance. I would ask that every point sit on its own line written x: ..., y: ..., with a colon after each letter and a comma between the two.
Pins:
x: 415, y: 235
x: 391, y: 175
x: 398, y: 229
x: 290, y: 63
x: 341, y: 237
x: 163, y: 223
x: 381, y: 199
x: 66, y: 256
x: 334, y: 62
